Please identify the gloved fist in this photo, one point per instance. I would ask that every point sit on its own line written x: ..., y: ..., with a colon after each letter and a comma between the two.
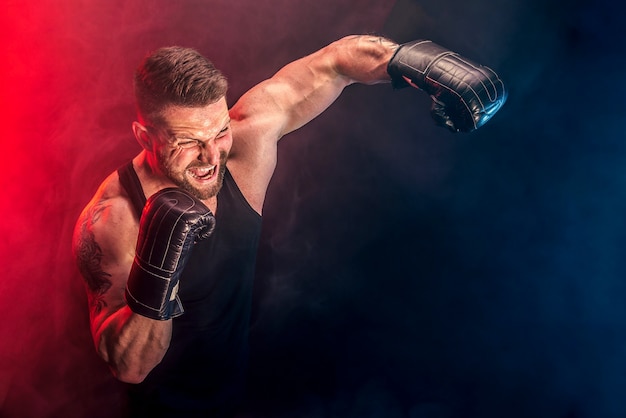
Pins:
x: 465, y: 94
x: 171, y: 223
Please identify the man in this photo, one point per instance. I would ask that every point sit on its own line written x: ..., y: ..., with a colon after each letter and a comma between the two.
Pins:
x: 167, y: 245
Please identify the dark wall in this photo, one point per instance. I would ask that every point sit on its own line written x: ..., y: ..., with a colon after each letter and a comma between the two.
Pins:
x: 404, y: 271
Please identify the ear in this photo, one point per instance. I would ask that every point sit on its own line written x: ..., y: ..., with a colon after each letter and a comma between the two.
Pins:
x: 141, y: 135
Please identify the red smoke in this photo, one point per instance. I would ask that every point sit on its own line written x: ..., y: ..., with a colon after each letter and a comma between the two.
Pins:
x: 67, y: 111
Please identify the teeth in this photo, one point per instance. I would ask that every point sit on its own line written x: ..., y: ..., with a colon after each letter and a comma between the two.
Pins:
x: 202, y: 172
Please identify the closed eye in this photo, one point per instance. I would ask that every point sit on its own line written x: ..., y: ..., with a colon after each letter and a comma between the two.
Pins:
x: 224, y: 131
x: 188, y: 143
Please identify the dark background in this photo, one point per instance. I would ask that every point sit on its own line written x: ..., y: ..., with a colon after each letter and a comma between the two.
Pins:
x: 404, y: 271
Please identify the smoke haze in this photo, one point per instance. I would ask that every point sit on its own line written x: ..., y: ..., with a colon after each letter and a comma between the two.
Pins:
x: 404, y: 271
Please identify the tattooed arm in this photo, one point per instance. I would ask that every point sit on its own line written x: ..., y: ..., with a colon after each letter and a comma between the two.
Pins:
x: 104, y: 247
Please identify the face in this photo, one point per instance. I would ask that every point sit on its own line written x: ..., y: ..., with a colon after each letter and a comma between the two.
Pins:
x: 192, y: 146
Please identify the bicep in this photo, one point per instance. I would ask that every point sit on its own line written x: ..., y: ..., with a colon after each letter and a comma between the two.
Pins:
x: 295, y: 95
x: 304, y: 88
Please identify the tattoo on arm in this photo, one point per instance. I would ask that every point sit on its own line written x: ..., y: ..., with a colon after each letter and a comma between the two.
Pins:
x: 89, y: 258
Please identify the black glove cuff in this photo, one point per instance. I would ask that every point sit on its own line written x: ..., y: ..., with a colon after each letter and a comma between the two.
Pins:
x: 412, y: 60
x: 397, y: 81
x: 148, y: 293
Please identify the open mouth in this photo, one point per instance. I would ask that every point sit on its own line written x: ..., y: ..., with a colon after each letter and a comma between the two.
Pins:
x: 202, y: 173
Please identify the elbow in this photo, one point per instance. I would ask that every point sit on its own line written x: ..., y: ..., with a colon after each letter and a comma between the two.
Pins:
x: 124, y: 370
x: 125, y: 367
x: 131, y: 356
x: 128, y: 376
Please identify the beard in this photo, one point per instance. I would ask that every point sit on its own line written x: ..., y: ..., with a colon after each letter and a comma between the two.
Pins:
x: 180, y: 179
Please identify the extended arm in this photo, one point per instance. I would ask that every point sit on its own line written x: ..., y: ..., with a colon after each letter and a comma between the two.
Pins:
x: 465, y: 94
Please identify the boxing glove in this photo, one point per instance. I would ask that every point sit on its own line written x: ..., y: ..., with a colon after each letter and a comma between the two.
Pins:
x: 465, y: 94
x: 172, y: 221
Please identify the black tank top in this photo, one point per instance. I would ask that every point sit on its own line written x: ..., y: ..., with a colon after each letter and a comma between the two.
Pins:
x: 203, y: 370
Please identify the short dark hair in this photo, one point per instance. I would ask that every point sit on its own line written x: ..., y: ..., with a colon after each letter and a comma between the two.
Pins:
x: 176, y: 76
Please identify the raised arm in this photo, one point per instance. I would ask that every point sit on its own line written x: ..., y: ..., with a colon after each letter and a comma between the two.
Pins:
x: 295, y: 95
x: 465, y: 96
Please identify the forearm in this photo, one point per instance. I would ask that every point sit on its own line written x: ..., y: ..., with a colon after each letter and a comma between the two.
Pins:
x: 321, y: 76
x: 362, y: 58
x: 131, y: 344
